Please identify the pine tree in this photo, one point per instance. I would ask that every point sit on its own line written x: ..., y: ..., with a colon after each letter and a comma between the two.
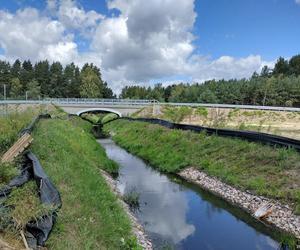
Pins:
x: 42, y: 75
x: 15, y: 88
x: 34, y: 89
x: 56, y: 80
x: 26, y: 74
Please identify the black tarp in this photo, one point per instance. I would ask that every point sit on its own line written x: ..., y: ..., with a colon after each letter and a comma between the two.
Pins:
x: 37, y: 231
x: 269, y: 139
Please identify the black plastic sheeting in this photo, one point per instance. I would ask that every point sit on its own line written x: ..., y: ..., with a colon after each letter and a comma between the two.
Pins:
x: 37, y: 231
x: 269, y: 139
x: 31, y: 126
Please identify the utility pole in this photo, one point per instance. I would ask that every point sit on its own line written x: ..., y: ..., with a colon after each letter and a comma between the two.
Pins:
x: 4, y: 90
x: 4, y: 96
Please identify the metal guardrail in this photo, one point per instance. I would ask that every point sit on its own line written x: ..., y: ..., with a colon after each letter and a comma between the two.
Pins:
x: 82, y: 101
x: 141, y: 102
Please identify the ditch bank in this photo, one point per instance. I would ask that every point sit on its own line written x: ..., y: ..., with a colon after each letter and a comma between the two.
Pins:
x: 36, y: 232
x: 281, y: 217
x: 137, y: 140
x: 138, y: 229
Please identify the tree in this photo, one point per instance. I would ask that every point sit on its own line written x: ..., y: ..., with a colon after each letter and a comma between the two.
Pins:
x: 26, y: 74
x: 71, y: 78
x: 56, y: 84
x: 15, y: 87
x: 107, y: 92
x: 34, y: 89
x: 4, y: 73
x: 90, y: 83
x: 42, y: 75
x: 294, y: 65
x: 16, y: 69
x: 265, y: 72
x: 281, y: 67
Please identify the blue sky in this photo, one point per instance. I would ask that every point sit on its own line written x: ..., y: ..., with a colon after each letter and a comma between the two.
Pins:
x: 155, y: 40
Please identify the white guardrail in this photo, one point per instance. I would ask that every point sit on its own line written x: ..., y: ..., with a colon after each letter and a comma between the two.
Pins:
x: 140, y: 102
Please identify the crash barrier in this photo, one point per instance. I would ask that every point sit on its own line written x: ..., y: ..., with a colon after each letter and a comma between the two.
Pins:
x: 36, y: 231
x: 269, y: 139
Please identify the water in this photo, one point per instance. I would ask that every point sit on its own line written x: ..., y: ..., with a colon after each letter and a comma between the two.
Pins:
x: 177, y: 215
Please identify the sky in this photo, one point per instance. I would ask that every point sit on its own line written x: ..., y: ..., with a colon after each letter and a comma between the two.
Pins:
x: 150, y: 41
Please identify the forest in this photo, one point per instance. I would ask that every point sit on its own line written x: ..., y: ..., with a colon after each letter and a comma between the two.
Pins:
x: 273, y: 87
x: 41, y: 80
x: 279, y: 86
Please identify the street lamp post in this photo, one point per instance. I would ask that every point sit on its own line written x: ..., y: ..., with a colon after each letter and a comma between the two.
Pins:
x: 4, y: 90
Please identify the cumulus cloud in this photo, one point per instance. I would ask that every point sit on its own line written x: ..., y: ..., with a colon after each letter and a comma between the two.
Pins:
x: 146, y: 40
x: 72, y: 16
x: 26, y: 33
x: 154, y: 40
x: 149, y: 39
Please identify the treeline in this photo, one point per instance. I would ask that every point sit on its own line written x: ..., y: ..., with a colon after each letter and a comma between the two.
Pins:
x: 42, y: 80
x: 279, y: 86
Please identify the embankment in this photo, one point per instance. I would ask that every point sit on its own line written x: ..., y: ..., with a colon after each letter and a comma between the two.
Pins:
x: 91, y: 215
x: 250, y: 168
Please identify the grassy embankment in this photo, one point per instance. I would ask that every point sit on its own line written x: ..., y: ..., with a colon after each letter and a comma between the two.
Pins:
x: 91, y: 216
x: 23, y: 203
x: 268, y: 171
x: 274, y: 122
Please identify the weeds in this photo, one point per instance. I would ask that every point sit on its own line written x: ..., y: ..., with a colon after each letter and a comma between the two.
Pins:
x: 91, y: 217
x: 263, y: 169
x: 25, y: 204
x: 132, y: 199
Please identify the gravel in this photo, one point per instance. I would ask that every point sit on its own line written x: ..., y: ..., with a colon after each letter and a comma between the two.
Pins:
x: 282, y: 216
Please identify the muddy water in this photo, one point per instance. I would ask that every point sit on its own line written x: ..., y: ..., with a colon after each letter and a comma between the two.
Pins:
x: 177, y: 215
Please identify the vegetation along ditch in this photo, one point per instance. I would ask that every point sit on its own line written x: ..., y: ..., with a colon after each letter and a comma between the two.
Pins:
x: 268, y: 173
x: 91, y: 216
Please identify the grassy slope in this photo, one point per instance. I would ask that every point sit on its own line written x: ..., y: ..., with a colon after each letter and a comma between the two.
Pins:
x: 11, y: 124
x: 268, y: 171
x: 91, y: 217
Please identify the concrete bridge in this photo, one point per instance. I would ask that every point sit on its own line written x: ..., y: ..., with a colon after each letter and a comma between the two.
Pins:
x: 121, y: 107
x: 125, y: 107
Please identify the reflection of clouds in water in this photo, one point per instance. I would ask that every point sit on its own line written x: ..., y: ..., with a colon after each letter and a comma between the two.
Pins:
x: 165, y: 212
x: 165, y: 206
x: 263, y: 243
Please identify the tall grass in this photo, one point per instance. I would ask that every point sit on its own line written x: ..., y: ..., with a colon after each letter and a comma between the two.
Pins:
x: 269, y: 171
x: 11, y: 124
x: 90, y: 217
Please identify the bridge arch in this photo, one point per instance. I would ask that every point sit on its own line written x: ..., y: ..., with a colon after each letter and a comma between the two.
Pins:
x: 79, y: 113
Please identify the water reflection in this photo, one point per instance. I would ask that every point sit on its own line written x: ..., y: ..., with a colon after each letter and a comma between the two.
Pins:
x: 179, y: 216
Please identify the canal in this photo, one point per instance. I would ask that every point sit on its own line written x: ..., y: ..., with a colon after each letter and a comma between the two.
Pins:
x: 179, y: 215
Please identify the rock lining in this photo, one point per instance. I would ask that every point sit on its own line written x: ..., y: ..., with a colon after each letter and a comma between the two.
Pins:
x: 282, y: 216
x: 137, y: 228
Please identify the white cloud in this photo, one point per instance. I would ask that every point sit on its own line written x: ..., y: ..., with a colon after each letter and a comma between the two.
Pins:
x: 73, y: 16
x: 297, y: 1
x: 147, y: 40
x: 26, y: 33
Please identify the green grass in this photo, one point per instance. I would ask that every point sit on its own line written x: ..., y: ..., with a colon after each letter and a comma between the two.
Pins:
x: 268, y: 171
x: 90, y: 217
x: 11, y: 124
x: 108, y: 118
x: 25, y: 205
